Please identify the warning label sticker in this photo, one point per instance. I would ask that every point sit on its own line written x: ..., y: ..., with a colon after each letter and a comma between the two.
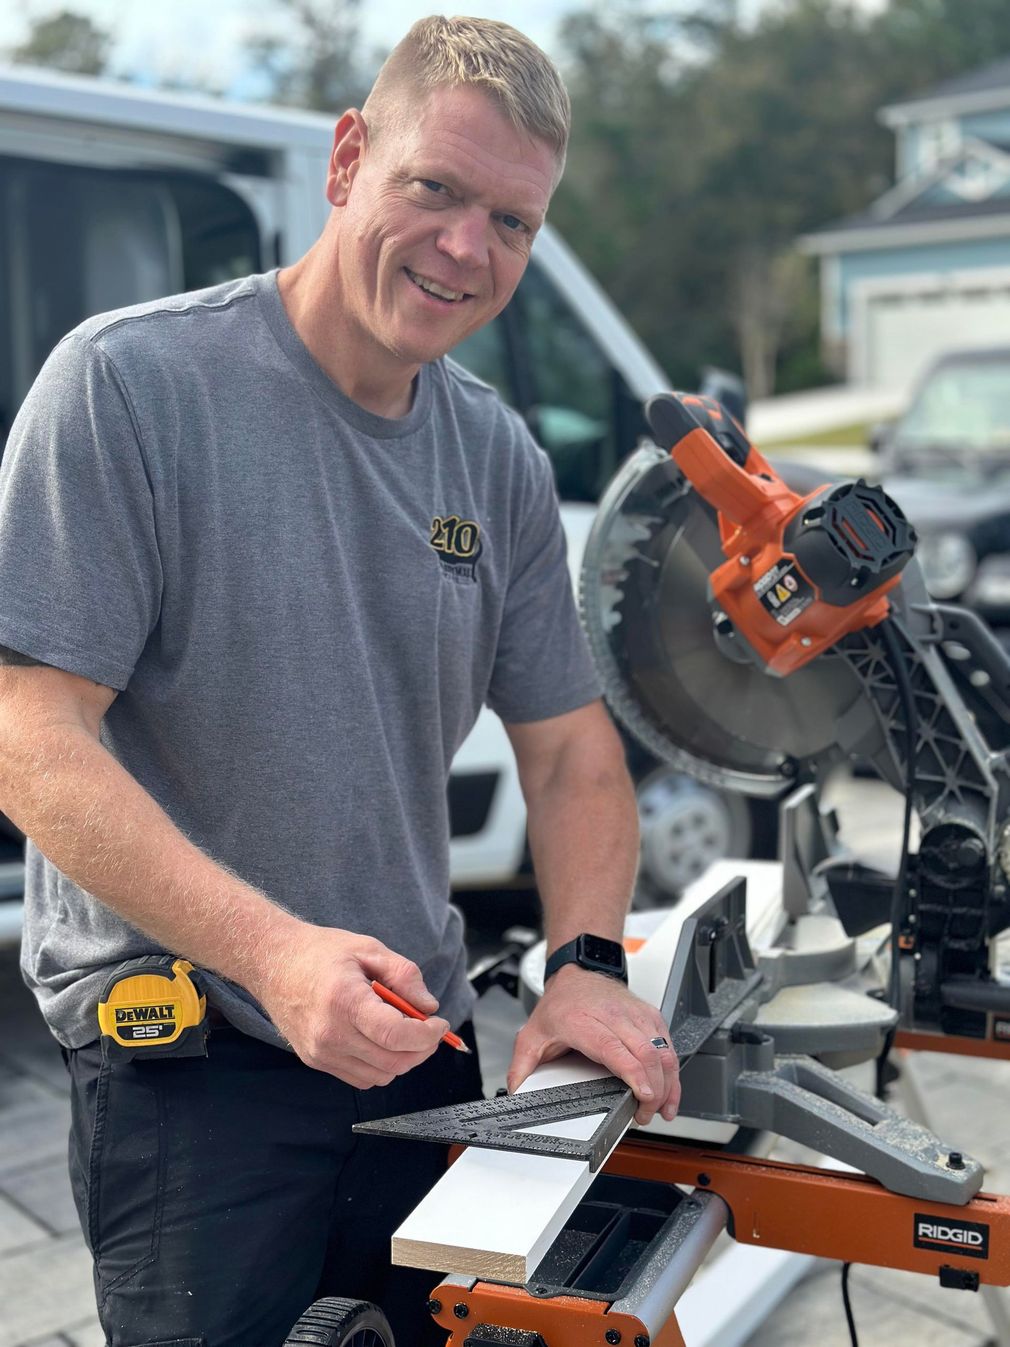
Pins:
x: 784, y: 591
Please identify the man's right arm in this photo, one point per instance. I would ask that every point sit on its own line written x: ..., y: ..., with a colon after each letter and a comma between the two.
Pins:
x: 97, y: 825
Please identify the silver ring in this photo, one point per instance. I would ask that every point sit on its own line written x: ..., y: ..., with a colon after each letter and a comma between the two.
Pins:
x: 659, y: 1043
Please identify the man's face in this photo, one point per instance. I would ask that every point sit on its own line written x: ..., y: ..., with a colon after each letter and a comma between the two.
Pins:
x: 438, y: 218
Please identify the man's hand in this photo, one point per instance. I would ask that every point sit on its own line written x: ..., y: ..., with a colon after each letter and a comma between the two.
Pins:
x: 320, y: 998
x: 599, y: 1017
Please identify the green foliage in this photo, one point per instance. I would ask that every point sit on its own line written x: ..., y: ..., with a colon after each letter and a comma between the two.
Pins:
x: 689, y: 179
x: 318, y: 63
x: 930, y: 40
x: 65, y: 41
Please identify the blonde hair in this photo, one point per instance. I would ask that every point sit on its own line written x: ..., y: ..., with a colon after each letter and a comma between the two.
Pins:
x: 439, y: 53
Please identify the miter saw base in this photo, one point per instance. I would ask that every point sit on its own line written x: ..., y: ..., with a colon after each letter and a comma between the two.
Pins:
x: 731, y: 1071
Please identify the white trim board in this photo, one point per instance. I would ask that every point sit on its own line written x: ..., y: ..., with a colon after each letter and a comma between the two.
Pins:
x: 495, y: 1214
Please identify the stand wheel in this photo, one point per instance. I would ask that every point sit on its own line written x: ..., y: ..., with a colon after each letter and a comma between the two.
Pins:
x: 341, y: 1323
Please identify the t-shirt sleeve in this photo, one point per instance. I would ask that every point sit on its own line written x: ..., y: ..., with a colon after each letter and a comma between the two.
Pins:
x: 542, y: 665
x: 80, y: 577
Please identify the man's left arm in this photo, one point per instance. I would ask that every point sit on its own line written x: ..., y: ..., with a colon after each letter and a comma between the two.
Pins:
x: 583, y: 830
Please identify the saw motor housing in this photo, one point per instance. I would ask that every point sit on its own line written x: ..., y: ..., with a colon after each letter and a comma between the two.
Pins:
x: 801, y: 571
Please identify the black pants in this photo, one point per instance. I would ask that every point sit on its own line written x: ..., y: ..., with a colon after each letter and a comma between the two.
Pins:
x: 221, y: 1195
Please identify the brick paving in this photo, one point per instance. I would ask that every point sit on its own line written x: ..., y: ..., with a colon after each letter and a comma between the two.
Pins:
x: 46, y: 1295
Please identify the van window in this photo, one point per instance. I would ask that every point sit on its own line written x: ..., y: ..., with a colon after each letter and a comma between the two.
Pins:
x: 78, y: 241
x: 583, y: 412
x: 542, y: 360
x: 486, y: 354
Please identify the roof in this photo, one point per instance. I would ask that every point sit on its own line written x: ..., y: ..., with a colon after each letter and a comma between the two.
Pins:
x: 996, y: 75
x: 916, y: 214
x: 976, y: 90
x: 911, y: 225
x: 906, y: 205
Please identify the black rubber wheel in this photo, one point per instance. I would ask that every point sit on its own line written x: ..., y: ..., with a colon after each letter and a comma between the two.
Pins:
x: 341, y: 1323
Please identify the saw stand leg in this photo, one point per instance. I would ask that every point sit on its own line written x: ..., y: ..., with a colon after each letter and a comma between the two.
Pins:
x: 914, y: 1099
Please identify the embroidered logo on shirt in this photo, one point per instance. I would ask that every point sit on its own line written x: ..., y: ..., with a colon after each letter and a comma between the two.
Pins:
x: 458, y: 545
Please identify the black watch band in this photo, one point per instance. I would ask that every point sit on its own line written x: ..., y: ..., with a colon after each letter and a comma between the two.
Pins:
x: 593, y: 953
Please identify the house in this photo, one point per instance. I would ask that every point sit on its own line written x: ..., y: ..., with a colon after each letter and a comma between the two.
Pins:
x: 927, y: 266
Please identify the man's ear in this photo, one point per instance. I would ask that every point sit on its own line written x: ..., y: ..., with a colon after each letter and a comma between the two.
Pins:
x: 350, y: 140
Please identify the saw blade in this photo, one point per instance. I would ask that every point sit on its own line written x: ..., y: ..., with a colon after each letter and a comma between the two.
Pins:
x: 646, y: 607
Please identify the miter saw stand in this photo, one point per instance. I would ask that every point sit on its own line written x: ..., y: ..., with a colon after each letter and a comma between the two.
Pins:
x: 748, y: 1032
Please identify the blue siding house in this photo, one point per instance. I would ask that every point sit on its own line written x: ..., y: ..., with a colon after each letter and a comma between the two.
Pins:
x: 926, y: 267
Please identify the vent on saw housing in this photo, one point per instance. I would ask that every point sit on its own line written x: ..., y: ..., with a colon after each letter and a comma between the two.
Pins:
x: 849, y: 540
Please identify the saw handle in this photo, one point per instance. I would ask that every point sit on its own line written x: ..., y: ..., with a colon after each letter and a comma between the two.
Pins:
x: 738, y: 493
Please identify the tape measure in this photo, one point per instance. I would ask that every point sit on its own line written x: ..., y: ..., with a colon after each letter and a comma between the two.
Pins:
x: 154, y: 1007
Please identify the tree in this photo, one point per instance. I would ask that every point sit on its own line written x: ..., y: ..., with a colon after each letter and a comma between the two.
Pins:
x: 317, y: 63
x: 65, y: 41
x: 692, y: 174
x: 920, y: 42
x: 783, y: 122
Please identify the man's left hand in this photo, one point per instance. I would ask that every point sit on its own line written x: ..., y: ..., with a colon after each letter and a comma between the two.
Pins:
x: 599, y: 1017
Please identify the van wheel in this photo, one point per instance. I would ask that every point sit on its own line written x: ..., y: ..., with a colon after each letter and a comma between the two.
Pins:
x: 684, y: 827
x: 341, y: 1323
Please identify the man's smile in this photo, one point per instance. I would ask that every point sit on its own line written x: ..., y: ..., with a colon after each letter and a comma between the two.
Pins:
x: 434, y: 289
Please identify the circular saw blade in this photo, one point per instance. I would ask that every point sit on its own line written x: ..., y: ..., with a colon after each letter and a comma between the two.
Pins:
x: 646, y: 607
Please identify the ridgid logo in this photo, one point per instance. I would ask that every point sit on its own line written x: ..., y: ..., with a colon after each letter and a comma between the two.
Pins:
x: 951, y: 1236
x: 457, y: 542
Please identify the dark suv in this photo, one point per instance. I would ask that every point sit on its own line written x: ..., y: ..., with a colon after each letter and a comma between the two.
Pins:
x: 947, y: 463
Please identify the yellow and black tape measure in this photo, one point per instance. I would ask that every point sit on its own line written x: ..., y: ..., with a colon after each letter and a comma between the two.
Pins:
x: 154, y: 1007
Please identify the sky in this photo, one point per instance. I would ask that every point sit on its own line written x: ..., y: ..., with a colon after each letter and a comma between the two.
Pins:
x: 201, y: 40
x: 204, y: 37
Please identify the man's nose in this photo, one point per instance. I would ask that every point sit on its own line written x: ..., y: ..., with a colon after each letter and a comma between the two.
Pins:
x: 464, y: 237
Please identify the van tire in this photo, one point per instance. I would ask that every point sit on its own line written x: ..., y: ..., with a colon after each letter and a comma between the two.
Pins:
x: 684, y: 826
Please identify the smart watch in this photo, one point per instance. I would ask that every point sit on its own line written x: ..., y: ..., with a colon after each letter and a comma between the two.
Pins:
x: 592, y: 952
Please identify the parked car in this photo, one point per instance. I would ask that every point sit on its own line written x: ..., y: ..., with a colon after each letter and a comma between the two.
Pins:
x: 113, y: 195
x: 947, y: 463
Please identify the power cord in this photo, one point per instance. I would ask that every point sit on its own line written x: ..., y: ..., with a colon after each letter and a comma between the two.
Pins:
x: 906, y: 697
x: 846, y: 1268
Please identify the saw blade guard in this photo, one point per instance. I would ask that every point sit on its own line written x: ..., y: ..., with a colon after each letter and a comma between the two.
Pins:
x: 646, y: 604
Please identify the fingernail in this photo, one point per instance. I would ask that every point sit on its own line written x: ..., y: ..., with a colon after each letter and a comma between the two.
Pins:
x: 645, y: 1093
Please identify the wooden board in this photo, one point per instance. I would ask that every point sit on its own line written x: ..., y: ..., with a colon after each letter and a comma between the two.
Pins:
x: 496, y: 1213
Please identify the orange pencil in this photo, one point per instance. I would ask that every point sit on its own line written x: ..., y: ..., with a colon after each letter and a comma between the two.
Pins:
x: 391, y: 999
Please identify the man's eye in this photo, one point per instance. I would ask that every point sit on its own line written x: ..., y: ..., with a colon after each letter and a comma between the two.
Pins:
x: 513, y: 223
x: 433, y: 186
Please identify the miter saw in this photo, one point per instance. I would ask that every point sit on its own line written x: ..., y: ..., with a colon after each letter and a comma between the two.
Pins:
x: 756, y: 636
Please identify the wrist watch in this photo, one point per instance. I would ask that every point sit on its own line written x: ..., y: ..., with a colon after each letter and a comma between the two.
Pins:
x: 592, y: 952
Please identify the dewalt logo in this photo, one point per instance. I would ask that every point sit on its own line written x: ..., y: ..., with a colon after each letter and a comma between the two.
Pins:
x: 144, y: 1014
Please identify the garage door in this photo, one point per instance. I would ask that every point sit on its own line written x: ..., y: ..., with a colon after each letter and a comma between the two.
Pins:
x: 904, y: 331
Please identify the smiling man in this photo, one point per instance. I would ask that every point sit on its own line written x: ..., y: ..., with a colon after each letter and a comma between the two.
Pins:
x: 290, y: 550
x: 437, y: 199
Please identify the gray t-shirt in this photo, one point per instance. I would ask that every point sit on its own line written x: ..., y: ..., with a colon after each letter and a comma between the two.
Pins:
x: 302, y: 605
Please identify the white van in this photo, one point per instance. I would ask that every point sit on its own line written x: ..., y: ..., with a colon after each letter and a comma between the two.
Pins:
x: 110, y: 195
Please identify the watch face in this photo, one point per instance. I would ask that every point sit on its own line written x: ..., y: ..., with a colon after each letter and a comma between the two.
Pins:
x: 607, y: 953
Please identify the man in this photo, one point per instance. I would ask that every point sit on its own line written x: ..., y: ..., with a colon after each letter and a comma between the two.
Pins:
x: 263, y: 554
